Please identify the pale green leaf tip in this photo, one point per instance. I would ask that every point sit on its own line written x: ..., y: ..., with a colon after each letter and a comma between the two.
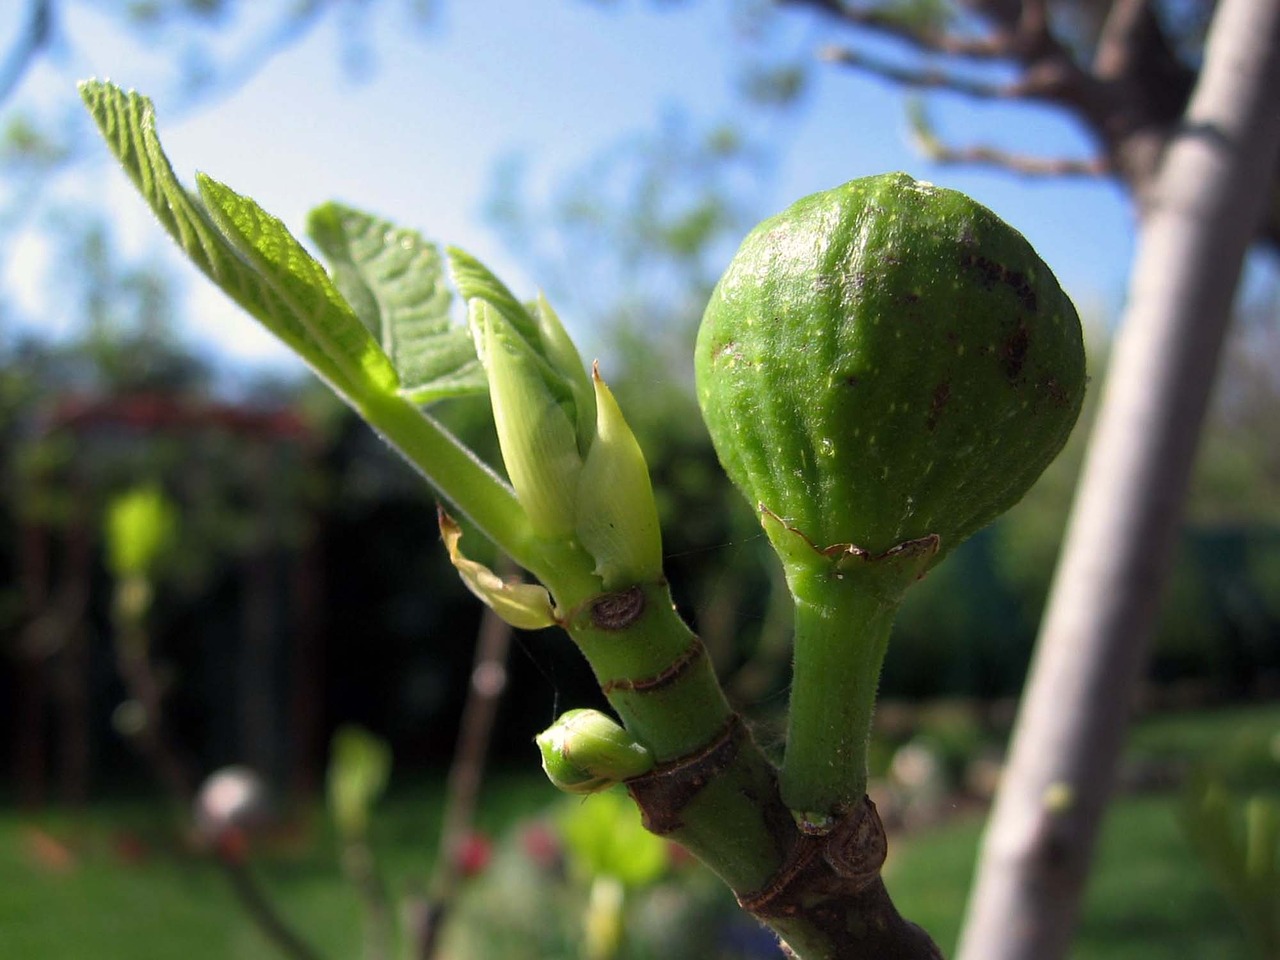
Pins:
x: 564, y: 357
x: 538, y: 442
x: 617, y: 518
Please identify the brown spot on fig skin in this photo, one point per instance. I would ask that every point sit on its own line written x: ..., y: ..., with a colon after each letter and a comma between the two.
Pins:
x: 1026, y: 295
x: 731, y: 351
x: 1013, y: 352
x: 991, y: 273
x: 941, y: 397
x: 1057, y: 395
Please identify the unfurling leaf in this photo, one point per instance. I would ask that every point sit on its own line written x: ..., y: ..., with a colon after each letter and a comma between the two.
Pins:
x: 537, y: 437
x: 244, y: 250
x: 394, y: 280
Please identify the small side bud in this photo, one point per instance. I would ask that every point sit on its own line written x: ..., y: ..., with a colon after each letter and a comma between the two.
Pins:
x: 526, y: 606
x: 586, y: 751
x: 617, y: 519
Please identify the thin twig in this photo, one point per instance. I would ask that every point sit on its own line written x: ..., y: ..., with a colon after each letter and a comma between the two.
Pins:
x: 1031, y: 85
x: 150, y: 738
x: 997, y: 45
x: 1025, y: 165
x: 933, y: 147
x: 488, y: 680
x: 34, y: 37
x: 1117, y: 49
x: 360, y: 865
x: 268, y: 920
x: 1033, y: 36
x: 137, y: 671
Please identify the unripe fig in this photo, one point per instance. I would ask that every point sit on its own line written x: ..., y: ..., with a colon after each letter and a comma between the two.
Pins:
x: 887, y: 362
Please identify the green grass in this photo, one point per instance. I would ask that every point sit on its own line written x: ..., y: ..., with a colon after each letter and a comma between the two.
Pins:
x: 1240, y: 744
x: 1148, y: 897
x: 131, y: 891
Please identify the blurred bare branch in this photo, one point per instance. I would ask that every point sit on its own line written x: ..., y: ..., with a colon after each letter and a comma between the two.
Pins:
x: 1123, y: 69
x: 932, y: 146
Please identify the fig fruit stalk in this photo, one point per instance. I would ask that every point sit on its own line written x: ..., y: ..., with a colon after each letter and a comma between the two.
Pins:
x: 884, y: 368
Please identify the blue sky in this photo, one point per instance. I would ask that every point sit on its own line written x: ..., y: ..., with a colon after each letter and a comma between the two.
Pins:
x: 555, y: 80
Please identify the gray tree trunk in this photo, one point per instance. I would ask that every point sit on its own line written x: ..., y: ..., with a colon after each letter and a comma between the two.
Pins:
x: 1209, y: 197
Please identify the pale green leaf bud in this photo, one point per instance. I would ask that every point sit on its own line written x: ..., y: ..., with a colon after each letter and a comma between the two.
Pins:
x: 537, y: 438
x: 617, y: 519
x: 564, y: 358
x: 526, y: 606
x: 586, y: 751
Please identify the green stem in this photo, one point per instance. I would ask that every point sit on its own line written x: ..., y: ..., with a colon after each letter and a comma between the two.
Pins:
x: 712, y: 790
x: 842, y: 631
x: 652, y: 668
x: 476, y: 491
x: 469, y: 484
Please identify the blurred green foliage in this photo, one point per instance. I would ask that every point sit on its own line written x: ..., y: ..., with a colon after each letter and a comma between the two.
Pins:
x: 1239, y: 841
x: 605, y: 837
x: 111, y: 883
x: 141, y: 528
x: 359, y: 771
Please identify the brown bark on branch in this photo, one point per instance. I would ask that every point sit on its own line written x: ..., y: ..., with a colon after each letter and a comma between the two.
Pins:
x: 1199, y: 220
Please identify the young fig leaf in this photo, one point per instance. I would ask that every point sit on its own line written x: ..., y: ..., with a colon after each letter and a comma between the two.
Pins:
x: 245, y: 251
x: 394, y: 280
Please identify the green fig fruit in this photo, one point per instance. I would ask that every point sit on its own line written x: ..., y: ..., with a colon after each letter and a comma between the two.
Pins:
x: 885, y: 363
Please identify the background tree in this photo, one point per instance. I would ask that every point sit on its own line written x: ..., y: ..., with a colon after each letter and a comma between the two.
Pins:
x: 1123, y: 69
x: 1199, y: 219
